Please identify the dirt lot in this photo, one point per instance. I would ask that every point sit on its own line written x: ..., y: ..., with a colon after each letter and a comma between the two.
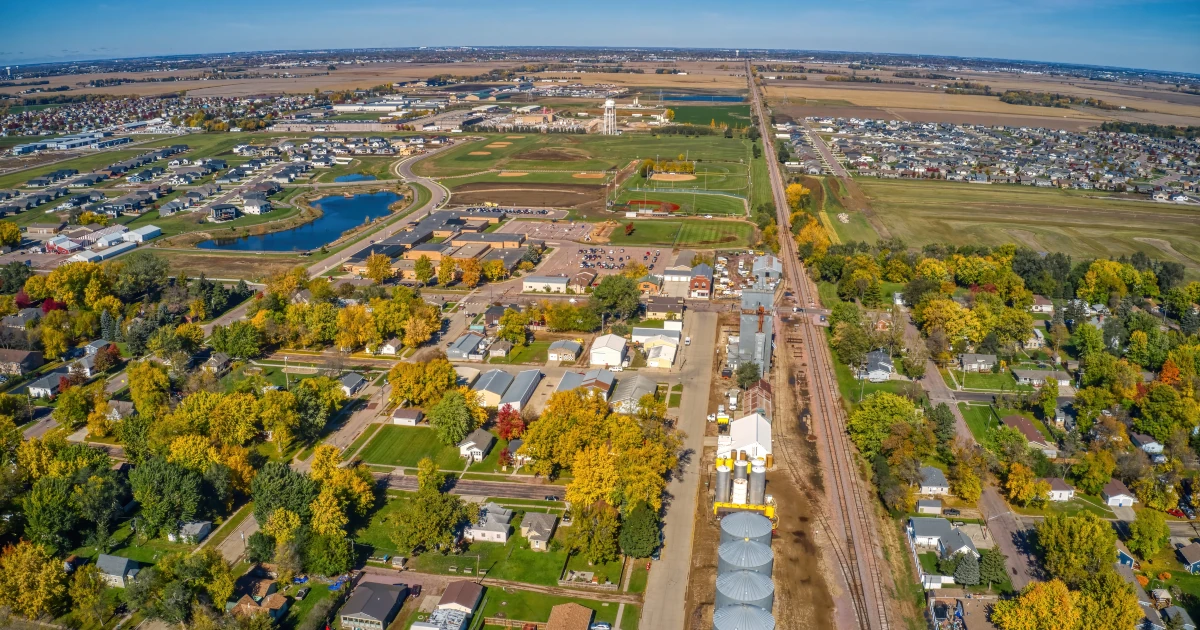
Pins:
x: 516, y: 194
x: 246, y: 266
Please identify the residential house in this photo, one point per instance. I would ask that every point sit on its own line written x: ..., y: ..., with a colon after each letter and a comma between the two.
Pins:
x: 407, y: 416
x: 1032, y: 435
x: 115, y: 570
x: 968, y: 362
x: 191, y: 532
x: 1148, y: 444
x: 1125, y: 557
x: 22, y: 318
x: 664, y: 308
x: 538, y: 529
x: 650, y: 285
x: 1037, y: 378
x: 465, y: 348
x: 629, y: 392
x: 373, y: 606
x: 933, y: 481
x: 570, y: 616
x: 879, y: 367
x: 597, y: 382
x: 1115, y: 494
x: 477, y: 445
x: 462, y: 596
x: 564, y: 350
x: 607, y: 350
x: 45, y: 387
x: 1151, y: 620
x: 518, y: 394
x: 86, y: 365
x: 500, y: 349
x: 19, y: 361
x: 1042, y: 304
x: 391, y: 347
x: 544, y: 284
x: 1059, y: 489
x: 218, y: 364
x: 352, y: 383
x: 749, y: 434
x: 938, y: 533
x: 490, y: 387
x: 494, y: 525
x: 1189, y: 555
x: 700, y: 285
x: 582, y: 281
x: 1179, y: 617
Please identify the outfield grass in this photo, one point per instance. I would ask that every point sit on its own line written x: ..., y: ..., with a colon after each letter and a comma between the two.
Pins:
x: 689, y: 203
x: 1084, y: 224
x: 687, y: 233
x: 405, y: 446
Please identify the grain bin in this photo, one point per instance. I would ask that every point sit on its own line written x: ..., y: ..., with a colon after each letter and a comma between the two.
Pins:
x: 740, y: 469
x: 745, y: 555
x: 740, y: 491
x: 745, y: 587
x: 746, y: 526
x: 758, y: 484
x: 722, y: 484
x: 742, y: 617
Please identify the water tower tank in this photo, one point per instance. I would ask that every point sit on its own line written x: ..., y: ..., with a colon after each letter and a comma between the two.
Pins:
x: 744, y: 555
x: 746, y: 526
x: 745, y: 587
x: 742, y: 617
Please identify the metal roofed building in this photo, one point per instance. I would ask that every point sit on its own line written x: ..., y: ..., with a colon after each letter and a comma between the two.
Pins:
x: 594, y: 382
x: 373, y: 606
x: 465, y: 348
x: 490, y: 387
x: 629, y: 391
x: 521, y: 390
x: 755, y: 341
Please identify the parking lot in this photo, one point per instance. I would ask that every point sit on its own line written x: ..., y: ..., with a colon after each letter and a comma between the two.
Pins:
x: 576, y: 231
x: 572, y: 258
x: 36, y: 261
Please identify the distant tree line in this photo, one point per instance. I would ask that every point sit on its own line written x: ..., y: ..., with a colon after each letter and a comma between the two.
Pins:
x: 1190, y: 132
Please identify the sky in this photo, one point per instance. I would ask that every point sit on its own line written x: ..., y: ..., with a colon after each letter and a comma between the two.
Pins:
x: 1150, y: 34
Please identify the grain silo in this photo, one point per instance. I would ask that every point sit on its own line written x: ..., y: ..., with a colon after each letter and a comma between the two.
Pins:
x: 740, y: 492
x: 722, y: 484
x: 740, y: 467
x: 743, y: 617
x: 758, y: 484
x: 746, y: 526
x: 745, y: 555
x: 745, y: 587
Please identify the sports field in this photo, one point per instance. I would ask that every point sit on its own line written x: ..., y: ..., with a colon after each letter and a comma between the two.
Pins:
x: 688, y: 233
x: 703, y: 115
x: 1083, y: 224
x: 688, y: 203
x: 576, y: 153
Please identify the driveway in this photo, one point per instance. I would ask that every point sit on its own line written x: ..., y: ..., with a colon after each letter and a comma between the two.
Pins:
x: 1125, y: 514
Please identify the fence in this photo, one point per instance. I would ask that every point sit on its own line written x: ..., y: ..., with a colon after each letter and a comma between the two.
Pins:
x: 514, y: 623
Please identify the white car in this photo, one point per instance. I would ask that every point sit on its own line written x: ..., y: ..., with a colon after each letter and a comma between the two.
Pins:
x: 708, y: 216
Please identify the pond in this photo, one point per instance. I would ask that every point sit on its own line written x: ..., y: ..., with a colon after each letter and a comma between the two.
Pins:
x: 340, y: 214
x: 354, y: 177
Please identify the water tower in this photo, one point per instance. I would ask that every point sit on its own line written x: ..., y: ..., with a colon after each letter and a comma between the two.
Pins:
x: 610, y: 117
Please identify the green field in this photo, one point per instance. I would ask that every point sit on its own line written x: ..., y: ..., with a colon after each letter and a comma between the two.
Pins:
x: 1084, y: 224
x: 380, y: 167
x: 529, y: 606
x: 689, y: 233
x: 689, y: 203
x: 574, y: 153
x: 705, y: 115
x: 405, y: 446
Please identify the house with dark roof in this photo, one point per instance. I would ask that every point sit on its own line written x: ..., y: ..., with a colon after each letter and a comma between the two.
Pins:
x: 463, y: 596
x: 373, y: 606
x: 700, y: 285
x: 969, y: 362
x: 933, y: 481
x: 1115, y: 494
x: 352, y: 383
x: 939, y: 534
x: 879, y: 367
x: 19, y: 361
x: 1032, y: 435
x: 115, y: 570
x: 476, y: 445
x: 1189, y: 555
x: 1178, y: 616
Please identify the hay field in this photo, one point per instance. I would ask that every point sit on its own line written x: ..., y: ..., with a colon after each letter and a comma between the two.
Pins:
x: 1080, y: 223
x: 930, y: 100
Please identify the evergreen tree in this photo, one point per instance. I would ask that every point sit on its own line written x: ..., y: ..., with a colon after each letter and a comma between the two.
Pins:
x: 991, y: 567
x: 967, y: 571
x: 106, y: 325
x: 639, y: 532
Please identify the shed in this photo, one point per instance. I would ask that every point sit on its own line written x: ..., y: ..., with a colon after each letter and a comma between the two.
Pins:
x: 407, y: 416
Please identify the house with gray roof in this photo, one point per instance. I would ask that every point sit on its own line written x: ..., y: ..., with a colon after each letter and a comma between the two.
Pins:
x: 373, y: 606
x: 490, y: 388
x: 518, y: 394
x: 939, y: 534
x: 494, y: 524
x: 597, y: 382
x: 564, y: 350
x: 115, y: 570
x: 1179, y: 616
x: 629, y: 392
x: 352, y: 383
x: 538, y: 529
x: 879, y: 367
x: 933, y: 481
x: 969, y: 362
x: 476, y: 445
x: 465, y: 348
x: 191, y: 532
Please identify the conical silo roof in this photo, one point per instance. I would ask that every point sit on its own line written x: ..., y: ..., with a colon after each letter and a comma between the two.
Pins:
x: 737, y: 555
x: 745, y: 587
x: 746, y: 525
x: 743, y: 617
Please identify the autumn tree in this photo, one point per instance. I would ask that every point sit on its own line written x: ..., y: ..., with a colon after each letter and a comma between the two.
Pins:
x: 1148, y: 534
x: 1074, y: 547
x: 447, y: 269
x: 509, y: 423
x: 1040, y: 606
x: 87, y: 593
x: 451, y: 418
x: 514, y: 327
x: 421, y: 384
x: 594, y: 534
x: 1023, y: 488
x: 423, y: 269
x: 149, y: 386
x: 472, y: 271
x: 379, y: 268
x: 1107, y: 602
x: 872, y: 421
x: 1093, y: 471
x: 356, y: 328
x: 32, y: 581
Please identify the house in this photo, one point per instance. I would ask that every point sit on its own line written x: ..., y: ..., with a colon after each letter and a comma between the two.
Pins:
x: 274, y: 604
x: 1115, y: 494
x: 607, y: 350
x: 564, y: 350
x: 19, y: 361
x: 1042, y: 304
x: 1037, y: 378
x: 1148, y: 444
x: 462, y: 596
x: 544, y: 284
x: 650, y: 285
x: 477, y: 445
x: 597, y: 382
x: 191, y: 532
x: 1032, y: 435
x: 256, y: 205
x: 352, y: 383
x: 22, y: 318
x: 700, y: 285
x: 570, y: 616
x: 45, y: 387
x: 1151, y: 620
x: 879, y: 367
x: 1059, y: 489
x: 1035, y: 340
x: 749, y: 434
x: 538, y: 529
x: 664, y: 308
x: 1189, y: 555
x: 406, y: 416
x: 373, y: 606
x: 582, y: 281
x: 500, y: 349
x: 650, y: 337
x: 490, y: 387
x: 968, y: 362
x: 119, y: 409
x: 86, y: 366
x: 221, y: 212
x: 218, y: 363
x: 628, y: 394
x: 1179, y: 617
x: 929, y: 506
x: 465, y: 348
x: 96, y: 346
x: 928, y: 531
x: 391, y: 347
x: 115, y: 570
x: 518, y: 394
x: 933, y: 481
x: 494, y: 524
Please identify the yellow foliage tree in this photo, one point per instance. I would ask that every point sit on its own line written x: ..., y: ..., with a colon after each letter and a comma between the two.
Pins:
x: 356, y: 328
x: 472, y: 271
x: 282, y: 525
x: 32, y: 581
x: 1041, y: 606
x: 797, y: 195
x: 379, y: 268
x: 595, y: 476
x: 328, y: 515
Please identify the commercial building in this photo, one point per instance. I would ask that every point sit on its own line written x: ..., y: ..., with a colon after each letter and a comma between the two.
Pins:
x: 607, y: 350
x: 372, y: 606
x: 544, y: 284
x: 518, y: 394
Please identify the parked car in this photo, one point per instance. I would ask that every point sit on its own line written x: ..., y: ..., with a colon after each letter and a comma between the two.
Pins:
x: 302, y: 593
x: 1176, y: 512
x: 414, y: 591
x: 951, y: 512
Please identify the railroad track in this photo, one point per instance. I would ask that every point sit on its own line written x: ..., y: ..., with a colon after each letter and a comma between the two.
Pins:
x: 861, y: 570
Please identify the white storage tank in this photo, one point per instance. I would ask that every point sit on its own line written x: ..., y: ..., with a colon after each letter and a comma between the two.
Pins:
x: 743, y: 617
x: 745, y: 555
x: 740, y: 492
x: 746, y: 526
x: 745, y: 587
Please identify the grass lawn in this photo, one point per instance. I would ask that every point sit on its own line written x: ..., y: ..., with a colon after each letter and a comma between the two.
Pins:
x: 854, y: 390
x: 689, y: 203
x: 367, y: 434
x: 378, y: 167
x: 929, y: 562
x: 705, y: 115
x: 300, y: 608
x: 1081, y: 504
x: 536, y: 352
x: 987, y: 381
x: 1167, y: 561
x: 528, y: 606
x: 81, y: 621
x: 674, y: 400
x: 491, y: 463
x: 639, y: 576
x: 631, y: 617
x: 126, y: 546
x: 981, y: 421
x: 376, y: 532
x: 686, y: 233
x: 405, y: 446
x: 610, y: 571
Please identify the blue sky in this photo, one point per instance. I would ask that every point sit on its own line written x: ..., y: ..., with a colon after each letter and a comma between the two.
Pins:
x: 1155, y: 34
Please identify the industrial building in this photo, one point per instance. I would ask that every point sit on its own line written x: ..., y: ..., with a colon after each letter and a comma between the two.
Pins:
x: 745, y: 592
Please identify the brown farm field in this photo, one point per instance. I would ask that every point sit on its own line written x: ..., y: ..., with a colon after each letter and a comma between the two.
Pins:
x: 1084, y: 225
x: 239, y: 265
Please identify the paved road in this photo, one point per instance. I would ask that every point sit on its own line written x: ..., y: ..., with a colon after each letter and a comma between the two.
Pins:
x: 818, y: 143
x: 667, y: 584
x: 234, y: 545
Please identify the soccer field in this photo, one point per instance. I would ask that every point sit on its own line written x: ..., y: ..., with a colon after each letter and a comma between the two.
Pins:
x: 704, y: 234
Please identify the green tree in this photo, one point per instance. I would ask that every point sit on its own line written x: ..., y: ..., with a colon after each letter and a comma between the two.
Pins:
x: 241, y: 340
x: 1074, y: 547
x: 748, y: 375
x: 1087, y: 339
x: 429, y: 521
x: 1093, y: 471
x: 1048, y: 398
x: 1108, y: 602
x: 447, y: 269
x: 514, y: 327
x: 168, y: 493
x: 639, y: 532
x: 873, y: 420
x: 49, y: 517
x: 87, y: 594
x: 73, y: 407
x: 1148, y: 533
x: 451, y: 418
x: 423, y: 269
x: 594, y: 533
x: 991, y: 567
x: 617, y: 296
x: 943, y: 421
x: 967, y: 571
x: 278, y: 486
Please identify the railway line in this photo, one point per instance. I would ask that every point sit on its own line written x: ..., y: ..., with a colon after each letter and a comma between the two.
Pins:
x: 856, y: 552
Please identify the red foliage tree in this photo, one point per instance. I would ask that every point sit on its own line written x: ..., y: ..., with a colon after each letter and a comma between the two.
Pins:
x: 50, y: 304
x: 22, y: 299
x: 1169, y: 373
x: 628, y: 228
x: 509, y: 423
x: 505, y: 458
